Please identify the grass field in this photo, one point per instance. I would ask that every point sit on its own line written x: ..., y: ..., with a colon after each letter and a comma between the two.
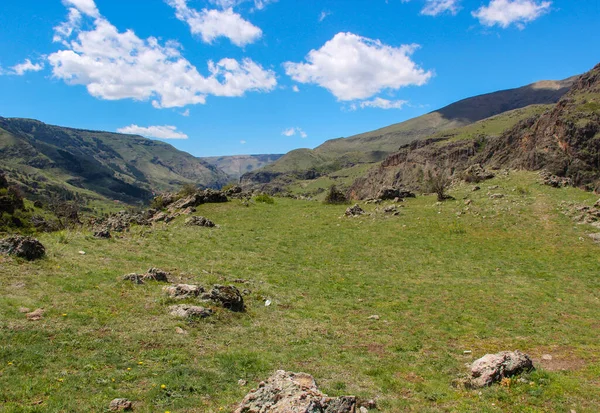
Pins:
x: 512, y: 273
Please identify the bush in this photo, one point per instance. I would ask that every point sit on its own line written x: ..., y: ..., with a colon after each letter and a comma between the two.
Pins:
x: 438, y: 180
x: 335, y: 196
x: 264, y: 198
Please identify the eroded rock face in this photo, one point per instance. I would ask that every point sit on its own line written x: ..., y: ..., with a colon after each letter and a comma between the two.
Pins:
x: 189, y: 311
x: 182, y: 291
x: 24, y: 247
x: 354, y: 211
x: 228, y: 296
x: 492, y: 368
x: 199, y: 222
x: 287, y: 392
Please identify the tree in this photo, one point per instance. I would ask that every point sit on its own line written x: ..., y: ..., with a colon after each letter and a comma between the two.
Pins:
x: 438, y: 180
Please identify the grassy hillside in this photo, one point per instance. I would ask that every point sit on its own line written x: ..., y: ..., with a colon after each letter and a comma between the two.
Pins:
x: 237, y: 165
x: 374, y: 146
x: 512, y: 273
x: 116, y: 166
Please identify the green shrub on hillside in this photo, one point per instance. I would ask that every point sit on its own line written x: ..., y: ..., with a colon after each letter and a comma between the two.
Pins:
x: 264, y: 198
x: 335, y: 196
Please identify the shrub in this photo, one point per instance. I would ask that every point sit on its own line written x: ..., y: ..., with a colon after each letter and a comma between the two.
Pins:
x: 437, y: 180
x: 335, y: 196
x: 264, y: 198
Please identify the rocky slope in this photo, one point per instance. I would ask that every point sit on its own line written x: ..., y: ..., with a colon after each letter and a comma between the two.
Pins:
x: 564, y: 140
x: 124, y: 167
x: 374, y: 146
x: 237, y: 165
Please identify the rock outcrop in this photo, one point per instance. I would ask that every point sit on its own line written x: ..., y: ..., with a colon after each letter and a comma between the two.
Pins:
x: 189, y: 311
x: 183, y: 291
x: 492, y: 368
x: 228, y: 296
x: 24, y: 247
x: 354, y: 211
x: 287, y: 392
x: 197, y: 221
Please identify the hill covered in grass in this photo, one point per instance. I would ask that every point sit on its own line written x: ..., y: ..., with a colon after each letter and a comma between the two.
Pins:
x: 372, y: 147
x: 237, y: 165
x: 115, y: 166
x: 449, y: 282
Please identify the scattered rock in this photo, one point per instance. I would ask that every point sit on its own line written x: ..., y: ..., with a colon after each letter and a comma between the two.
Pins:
x: 496, y: 196
x: 468, y: 202
x: 476, y: 173
x: 24, y: 310
x: 491, y: 188
x: 102, y: 233
x: 391, y: 209
x: 354, y: 211
x: 189, y: 311
x: 492, y: 368
x: 181, y: 331
x: 155, y: 274
x: 374, y: 317
x: 228, y: 296
x: 287, y: 392
x: 199, y: 222
x: 24, y: 247
x: 120, y: 405
x: 81, y: 252
x: 547, y: 357
x: 182, y: 291
x: 133, y: 277
x: 121, y: 221
x: 555, y: 181
x: 35, y: 315
x: 242, y: 382
x: 363, y: 409
x: 595, y: 236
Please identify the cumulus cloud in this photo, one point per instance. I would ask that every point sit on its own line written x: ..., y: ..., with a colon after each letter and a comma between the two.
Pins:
x: 116, y: 65
x: 295, y: 88
x: 436, y: 7
x: 225, y: 4
x: 159, y: 132
x: 25, y: 67
x: 212, y: 24
x: 382, y: 103
x: 506, y: 12
x: 354, y: 67
x: 185, y: 113
x: 87, y: 7
x: 294, y: 131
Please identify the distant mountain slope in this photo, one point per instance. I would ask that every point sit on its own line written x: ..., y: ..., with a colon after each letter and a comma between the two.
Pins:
x: 237, y: 165
x: 376, y: 145
x: 563, y: 139
x: 117, y: 166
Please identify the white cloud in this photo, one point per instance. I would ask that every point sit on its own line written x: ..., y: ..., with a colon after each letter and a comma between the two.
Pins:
x: 26, y: 66
x: 65, y: 29
x: 506, y: 12
x: 295, y: 88
x: 225, y: 4
x: 324, y: 14
x: 294, y: 131
x: 119, y: 65
x: 87, y: 7
x: 354, y: 67
x: 185, y: 113
x: 436, y: 7
x: 243, y: 142
x: 212, y: 24
x: 383, y: 103
x: 160, y: 132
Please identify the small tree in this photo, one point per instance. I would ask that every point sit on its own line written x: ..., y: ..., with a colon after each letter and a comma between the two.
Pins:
x: 335, y: 196
x: 438, y: 180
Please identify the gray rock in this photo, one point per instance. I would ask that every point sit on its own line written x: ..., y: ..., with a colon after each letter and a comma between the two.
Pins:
x: 496, y: 196
x: 155, y: 274
x: 189, y: 311
x: 228, y: 296
x: 103, y: 233
x: 133, y: 277
x: 199, y: 222
x: 120, y: 405
x: 354, y: 211
x: 492, y: 368
x: 24, y: 247
x: 287, y: 392
x: 182, y: 291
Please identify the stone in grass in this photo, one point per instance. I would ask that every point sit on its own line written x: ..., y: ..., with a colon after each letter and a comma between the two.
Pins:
x: 155, y: 274
x: 189, y: 311
x: 35, y: 315
x: 228, y: 296
x: 24, y: 247
x: 199, y: 222
x: 103, y: 233
x: 182, y: 291
x: 120, y: 405
x: 134, y: 278
x: 492, y: 368
x: 286, y: 392
x: 354, y: 211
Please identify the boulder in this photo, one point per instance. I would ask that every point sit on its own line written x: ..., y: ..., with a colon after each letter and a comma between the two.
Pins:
x: 155, y: 274
x: 35, y: 315
x: 492, y: 368
x: 354, y: 211
x: 189, y: 311
x: 133, y: 277
x: 228, y: 296
x: 555, y: 181
x: 118, y: 405
x: 24, y: 247
x: 287, y: 392
x: 391, y: 209
x: 476, y: 173
x: 102, y: 233
x: 496, y: 196
x: 182, y: 291
x: 199, y: 222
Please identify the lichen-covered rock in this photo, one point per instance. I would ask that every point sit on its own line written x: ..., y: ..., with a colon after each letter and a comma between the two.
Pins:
x: 354, y: 211
x: 120, y: 405
x: 182, y: 291
x: 103, y: 233
x: 492, y: 368
x: 199, y: 222
x: 24, y: 247
x: 189, y: 311
x: 155, y: 274
x: 476, y: 173
x: 287, y: 392
x: 228, y: 296
x: 134, y: 278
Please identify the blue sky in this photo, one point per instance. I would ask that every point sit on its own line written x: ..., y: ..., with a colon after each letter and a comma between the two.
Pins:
x: 224, y: 77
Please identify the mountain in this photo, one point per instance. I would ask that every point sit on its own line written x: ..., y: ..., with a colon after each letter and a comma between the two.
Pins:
x: 563, y: 139
x: 116, y: 166
x: 374, y: 146
x: 237, y: 165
